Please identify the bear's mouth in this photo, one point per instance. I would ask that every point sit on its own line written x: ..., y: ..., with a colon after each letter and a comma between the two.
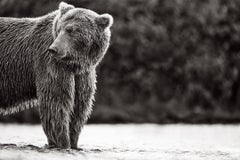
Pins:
x: 68, y: 58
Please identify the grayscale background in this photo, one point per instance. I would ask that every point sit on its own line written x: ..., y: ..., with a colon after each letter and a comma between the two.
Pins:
x: 168, y: 87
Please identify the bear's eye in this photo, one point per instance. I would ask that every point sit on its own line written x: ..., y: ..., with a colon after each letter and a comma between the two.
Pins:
x: 69, y: 30
x: 58, y: 30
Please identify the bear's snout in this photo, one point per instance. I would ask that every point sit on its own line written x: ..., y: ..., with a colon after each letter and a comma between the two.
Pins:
x: 53, y: 50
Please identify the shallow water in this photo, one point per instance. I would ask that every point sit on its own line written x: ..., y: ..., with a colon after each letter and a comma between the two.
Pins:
x: 127, y: 142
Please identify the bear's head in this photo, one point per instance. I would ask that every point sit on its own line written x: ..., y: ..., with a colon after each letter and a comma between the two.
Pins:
x: 81, y: 37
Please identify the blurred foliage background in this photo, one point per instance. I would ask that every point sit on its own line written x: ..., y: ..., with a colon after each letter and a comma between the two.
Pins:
x: 169, y: 60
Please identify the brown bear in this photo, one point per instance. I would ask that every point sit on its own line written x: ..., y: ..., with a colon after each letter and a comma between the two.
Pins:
x: 50, y: 62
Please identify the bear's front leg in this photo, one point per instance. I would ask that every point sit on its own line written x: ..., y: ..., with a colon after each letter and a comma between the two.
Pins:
x: 56, y: 98
x: 84, y: 95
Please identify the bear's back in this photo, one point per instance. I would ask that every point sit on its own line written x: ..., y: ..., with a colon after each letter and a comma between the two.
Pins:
x: 21, y: 41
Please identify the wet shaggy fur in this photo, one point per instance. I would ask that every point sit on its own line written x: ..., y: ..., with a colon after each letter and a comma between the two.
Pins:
x: 61, y: 83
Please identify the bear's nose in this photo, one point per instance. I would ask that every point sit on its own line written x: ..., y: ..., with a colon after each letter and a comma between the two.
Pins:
x: 53, y: 50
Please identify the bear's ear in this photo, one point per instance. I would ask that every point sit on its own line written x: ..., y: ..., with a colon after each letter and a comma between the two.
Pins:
x: 104, y: 21
x: 64, y: 7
